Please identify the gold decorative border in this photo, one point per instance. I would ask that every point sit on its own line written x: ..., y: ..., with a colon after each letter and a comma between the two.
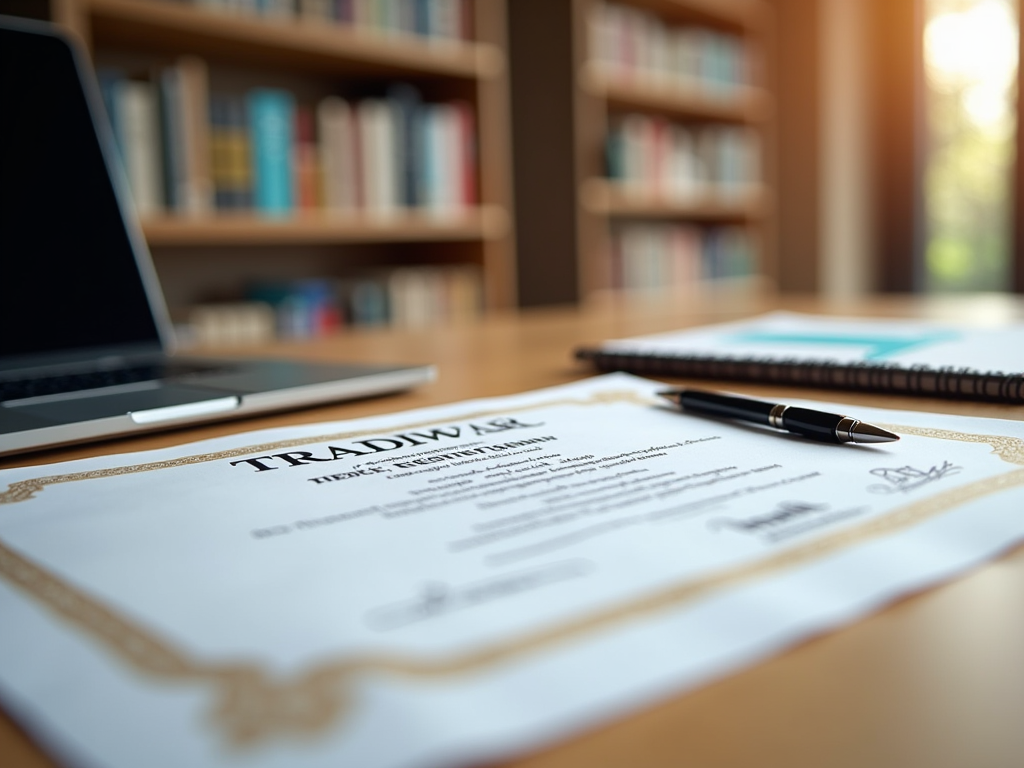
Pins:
x: 252, y: 705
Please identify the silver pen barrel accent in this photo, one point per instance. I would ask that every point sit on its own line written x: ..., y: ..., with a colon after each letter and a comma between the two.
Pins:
x: 859, y: 432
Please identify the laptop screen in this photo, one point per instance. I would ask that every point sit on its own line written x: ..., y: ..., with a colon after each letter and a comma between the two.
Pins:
x: 68, y: 275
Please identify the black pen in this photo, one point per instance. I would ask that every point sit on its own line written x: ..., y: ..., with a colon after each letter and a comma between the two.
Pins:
x: 817, y: 425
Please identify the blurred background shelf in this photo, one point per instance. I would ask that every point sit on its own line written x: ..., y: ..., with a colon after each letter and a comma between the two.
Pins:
x: 298, y: 42
x: 654, y: 161
x: 442, y: 72
x: 486, y: 223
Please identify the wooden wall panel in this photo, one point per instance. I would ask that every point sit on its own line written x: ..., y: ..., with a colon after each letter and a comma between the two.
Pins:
x: 794, y: 70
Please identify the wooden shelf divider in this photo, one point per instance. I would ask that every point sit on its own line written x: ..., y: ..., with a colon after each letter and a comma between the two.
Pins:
x: 484, y: 223
x: 604, y: 198
x: 749, y: 104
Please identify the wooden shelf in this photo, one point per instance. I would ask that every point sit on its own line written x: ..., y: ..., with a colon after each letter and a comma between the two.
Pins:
x: 294, y: 43
x: 604, y: 198
x: 481, y: 224
x: 745, y: 105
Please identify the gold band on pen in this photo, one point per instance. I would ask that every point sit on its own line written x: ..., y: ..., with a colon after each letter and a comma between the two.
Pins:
x: 775, y: 415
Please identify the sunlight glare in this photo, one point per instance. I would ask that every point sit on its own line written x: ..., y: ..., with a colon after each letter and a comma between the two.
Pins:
x: 974, y: 50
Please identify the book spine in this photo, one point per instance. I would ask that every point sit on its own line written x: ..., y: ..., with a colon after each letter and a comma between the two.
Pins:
x: 377, y: 141
x: 220, y: 161
x: 239, y: 150
x: 271, y: 116
x: 429, y: 171
x: 407, y: 105
x: 448, y: 153
x: 368, y: 302
x: 422, y: 10
x: 306, y: 161
x: 193, y: 80
x: 174, y: 163
x: 337, y: 154
x: 465, y: 153
x: 138, y: 106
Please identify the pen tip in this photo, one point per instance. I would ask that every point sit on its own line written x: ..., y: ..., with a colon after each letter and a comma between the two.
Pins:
x: 868, y: 433
x: 670, y: 394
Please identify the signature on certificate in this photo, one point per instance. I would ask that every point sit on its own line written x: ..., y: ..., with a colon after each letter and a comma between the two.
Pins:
x: 908, y: 478
x: 438, y: 598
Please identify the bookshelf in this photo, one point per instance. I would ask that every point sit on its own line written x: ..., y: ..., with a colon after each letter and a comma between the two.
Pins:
x: 666, y: 147
x: 301, y: 50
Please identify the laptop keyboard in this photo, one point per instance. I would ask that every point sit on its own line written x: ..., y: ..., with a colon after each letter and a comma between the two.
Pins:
x: 95, y: 379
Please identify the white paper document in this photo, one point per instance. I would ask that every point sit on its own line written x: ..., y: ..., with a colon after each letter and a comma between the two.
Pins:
x: 460, y: 583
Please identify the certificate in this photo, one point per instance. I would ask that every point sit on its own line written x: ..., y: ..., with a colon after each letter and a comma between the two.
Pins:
x: 446, y: 585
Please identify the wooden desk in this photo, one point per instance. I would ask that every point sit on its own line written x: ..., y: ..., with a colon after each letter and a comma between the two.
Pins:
x: 935, y: 680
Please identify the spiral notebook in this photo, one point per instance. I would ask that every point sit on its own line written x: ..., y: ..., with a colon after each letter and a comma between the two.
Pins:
x: 897, y: 356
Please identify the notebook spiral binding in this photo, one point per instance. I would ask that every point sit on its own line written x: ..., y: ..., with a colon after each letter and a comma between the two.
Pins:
x: 956, y: 383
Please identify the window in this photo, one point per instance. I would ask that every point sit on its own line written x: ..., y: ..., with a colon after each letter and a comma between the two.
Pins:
x: 970, y: 81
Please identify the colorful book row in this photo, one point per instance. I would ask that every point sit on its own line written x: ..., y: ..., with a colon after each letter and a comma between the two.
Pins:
x: 670, y: 161
x: 435, y: 20
x: 654, y: 257
x: 186, y: 151
x: 404, y: 297
x: 628, y: 42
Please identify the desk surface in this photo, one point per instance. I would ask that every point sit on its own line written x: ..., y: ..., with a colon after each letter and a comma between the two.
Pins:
x: 936, y: 679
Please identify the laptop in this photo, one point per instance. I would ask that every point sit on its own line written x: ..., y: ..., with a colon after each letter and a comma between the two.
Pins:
x: 85, y: 339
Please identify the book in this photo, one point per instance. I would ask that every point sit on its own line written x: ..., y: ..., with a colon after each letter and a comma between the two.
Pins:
x: 306, y: 161
x: 272, y: 118
x: 338, y: 155
x: 185, y: 129
x: 172, y: 145
x: 377, y: 141
x: 195, y: 124
x: 229, y: 152
x: 406, y: 102
x: 366, y: 300
x: 138, y: 130
x: 465, y: 164
x: 893, y: 356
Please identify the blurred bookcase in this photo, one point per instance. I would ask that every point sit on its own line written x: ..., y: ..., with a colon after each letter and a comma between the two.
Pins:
x: 668, y: 147
x: 423, y: 81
